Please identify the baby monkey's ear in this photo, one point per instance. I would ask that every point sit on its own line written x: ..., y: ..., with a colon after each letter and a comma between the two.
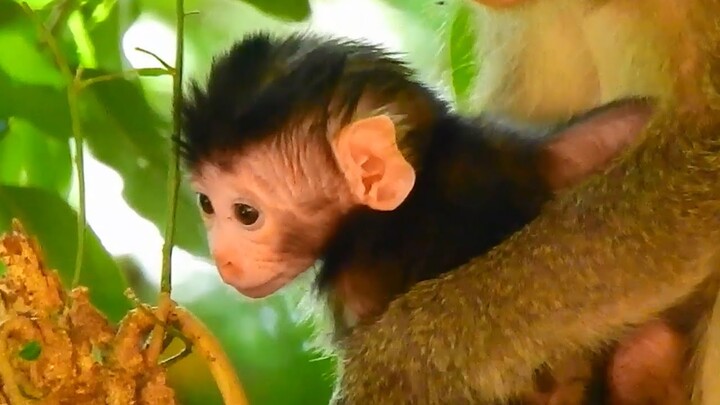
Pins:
x: 376, y: 171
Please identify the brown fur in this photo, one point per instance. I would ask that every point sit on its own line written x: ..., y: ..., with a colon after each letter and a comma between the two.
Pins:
x: 615, y: 252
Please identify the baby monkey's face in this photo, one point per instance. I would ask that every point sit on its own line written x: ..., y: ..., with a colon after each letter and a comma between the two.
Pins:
x: 268, y: 215
x: 271, y: 208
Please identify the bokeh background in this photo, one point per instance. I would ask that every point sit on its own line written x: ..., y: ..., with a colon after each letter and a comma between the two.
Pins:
x: 127, y: 123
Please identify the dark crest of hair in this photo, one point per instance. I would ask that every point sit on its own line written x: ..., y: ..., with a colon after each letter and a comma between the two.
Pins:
x: 263, y: 85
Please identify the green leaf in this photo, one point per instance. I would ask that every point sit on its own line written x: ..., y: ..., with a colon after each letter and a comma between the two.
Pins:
x: 123, y: 132
x: 105, y: 23
x: 30, y: 60
x: 31, y: 351
x: 3, y: 269
x: 85, y: 49
x: 463, y: 59
x: 27, y: 62
x: 43, y: 105
x: 288, y: 10
x: 53, y: 222
x: 31, y: 159
x: 39, y: 3
x: 97, y: 11
x: 153, y: 72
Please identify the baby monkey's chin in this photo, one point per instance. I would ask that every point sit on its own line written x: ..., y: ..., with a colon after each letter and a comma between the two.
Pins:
x: 261, y: 290
x: 262, y: 285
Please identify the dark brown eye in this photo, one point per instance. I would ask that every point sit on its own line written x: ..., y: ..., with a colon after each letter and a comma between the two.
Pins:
x: 246, y: 214
x: 205, y: 204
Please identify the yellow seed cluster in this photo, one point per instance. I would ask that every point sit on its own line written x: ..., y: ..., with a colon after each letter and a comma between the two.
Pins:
x: 82, y: 359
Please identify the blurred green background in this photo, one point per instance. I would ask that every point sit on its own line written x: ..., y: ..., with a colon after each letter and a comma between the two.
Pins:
x: 127, y: 124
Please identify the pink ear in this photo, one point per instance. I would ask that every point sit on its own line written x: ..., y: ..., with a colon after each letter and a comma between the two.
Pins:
x: 589, y: 143
x: 376, y: 171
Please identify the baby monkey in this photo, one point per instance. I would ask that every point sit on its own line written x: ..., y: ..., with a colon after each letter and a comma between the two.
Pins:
x: 306, y: 148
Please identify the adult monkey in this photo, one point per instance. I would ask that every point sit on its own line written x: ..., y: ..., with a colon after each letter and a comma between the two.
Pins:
x: 594, y: 51
x: 599, y: 51
x: 653, y: 219
x: 581, y: 50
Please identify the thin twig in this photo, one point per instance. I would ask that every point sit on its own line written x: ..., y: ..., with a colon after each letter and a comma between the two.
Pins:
x: 73, y: 89
x: 50, y: 41
x: 119, y: 75
x: 173, y: 174
x: 157, y: 340
x: 157, y: 345
x: 159, y: 59
x: 73, y: 93
x: 173, y: 185
x: 186, y: 351
x: 209, y: 348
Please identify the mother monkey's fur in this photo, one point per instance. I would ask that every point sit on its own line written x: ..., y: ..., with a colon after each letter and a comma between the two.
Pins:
x: 653, y: 220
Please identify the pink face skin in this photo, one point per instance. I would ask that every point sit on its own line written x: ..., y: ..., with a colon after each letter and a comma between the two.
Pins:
x: 271, y: 210
x: 269, y: 214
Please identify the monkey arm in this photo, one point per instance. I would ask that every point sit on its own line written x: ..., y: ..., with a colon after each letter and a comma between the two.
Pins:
x: 612, y: 253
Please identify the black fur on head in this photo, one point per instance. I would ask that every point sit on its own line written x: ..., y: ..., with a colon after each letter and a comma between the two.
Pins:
x: 263, y: 86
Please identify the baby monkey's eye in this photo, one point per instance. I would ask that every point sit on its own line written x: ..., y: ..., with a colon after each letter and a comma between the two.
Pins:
x: 246, y: 214
x: 205, y: 204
